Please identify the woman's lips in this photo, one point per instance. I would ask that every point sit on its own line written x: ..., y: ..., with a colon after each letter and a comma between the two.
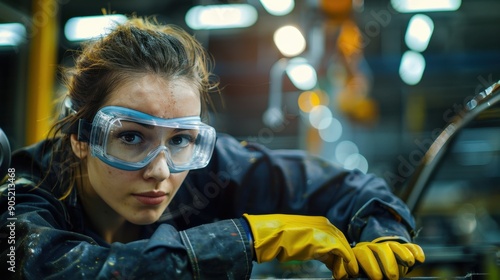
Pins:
x: 151, y: 198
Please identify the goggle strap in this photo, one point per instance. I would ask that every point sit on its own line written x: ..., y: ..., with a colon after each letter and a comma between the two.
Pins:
x: 84, y: 128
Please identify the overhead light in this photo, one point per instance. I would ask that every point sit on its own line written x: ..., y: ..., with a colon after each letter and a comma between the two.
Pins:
x: 221, y: 16
x: 278, y: 7
x: 91, y: 27
x: 330, y: 130
x: 308, y: 100
x: 301, y: 73
x: 347, y: 154
x: 412, y: 6
x: 344, y: 149
x: 289, y: 40
x: 356, y: 161
x: 419, y: 32
x: 320, y: 117
x: 412, y: 67
x: 12, y: 34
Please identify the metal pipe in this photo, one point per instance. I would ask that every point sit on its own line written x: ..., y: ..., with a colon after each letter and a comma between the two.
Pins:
x: 42, y: 68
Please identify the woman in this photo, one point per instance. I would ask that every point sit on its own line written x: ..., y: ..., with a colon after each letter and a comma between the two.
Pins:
x: 110, y: 194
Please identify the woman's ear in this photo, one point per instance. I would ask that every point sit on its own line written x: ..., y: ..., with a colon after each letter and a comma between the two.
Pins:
x: 79, y: 148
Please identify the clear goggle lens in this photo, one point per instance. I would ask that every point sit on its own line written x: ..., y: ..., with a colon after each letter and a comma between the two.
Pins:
x: 130, y: 140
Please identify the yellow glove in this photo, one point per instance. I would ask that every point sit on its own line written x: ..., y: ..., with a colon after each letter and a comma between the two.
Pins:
x: 386, y: 258
x: 294, y: 237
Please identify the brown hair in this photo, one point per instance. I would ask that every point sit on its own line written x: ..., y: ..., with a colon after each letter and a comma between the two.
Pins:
x: 139, y: 46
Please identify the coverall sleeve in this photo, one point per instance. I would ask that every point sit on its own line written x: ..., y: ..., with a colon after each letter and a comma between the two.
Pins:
x: 36, y: 242
x: 258, y: 180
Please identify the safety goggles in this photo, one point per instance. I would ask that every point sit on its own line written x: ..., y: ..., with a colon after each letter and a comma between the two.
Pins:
x: 129, y: 140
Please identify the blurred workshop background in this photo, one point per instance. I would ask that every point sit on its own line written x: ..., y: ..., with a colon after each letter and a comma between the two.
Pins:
x: 365, y: 84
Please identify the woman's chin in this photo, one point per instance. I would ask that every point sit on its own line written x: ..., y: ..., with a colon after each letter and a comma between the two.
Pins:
x: 145, y: 219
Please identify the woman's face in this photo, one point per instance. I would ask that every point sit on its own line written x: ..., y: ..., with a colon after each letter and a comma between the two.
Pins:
x: 141, y: 196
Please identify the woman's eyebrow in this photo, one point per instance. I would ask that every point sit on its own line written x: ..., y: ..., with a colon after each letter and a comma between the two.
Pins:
x: 182, y: 129
x: 150, y: 126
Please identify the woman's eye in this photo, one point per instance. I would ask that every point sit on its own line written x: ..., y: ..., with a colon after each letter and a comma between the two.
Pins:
x: 181, y: 140
x: 131, y: 138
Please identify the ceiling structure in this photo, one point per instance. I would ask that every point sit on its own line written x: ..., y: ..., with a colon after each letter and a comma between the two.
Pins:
x: 462, y: 58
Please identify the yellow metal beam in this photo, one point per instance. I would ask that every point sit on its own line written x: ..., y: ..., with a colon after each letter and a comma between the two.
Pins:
x: 42, y: 69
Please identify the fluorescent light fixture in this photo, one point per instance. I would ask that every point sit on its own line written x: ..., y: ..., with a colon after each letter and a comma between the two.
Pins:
x: 12, y: 34
x: 91, y: 27
x: 412, y: 6
x: 289, y: 40
x: 419, y: 32
x: 278, y: 7
x: 301, y: 73
x: 221, y: 16
x: 412, y: 67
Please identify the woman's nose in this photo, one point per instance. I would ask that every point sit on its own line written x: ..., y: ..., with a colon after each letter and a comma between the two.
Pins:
x: 158, y: 168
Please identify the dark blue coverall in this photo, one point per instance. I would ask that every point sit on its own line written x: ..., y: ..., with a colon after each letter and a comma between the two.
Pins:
x: 200, y: 236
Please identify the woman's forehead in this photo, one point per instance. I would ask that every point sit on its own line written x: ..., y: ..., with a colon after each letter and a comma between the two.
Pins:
x: 157, y: 96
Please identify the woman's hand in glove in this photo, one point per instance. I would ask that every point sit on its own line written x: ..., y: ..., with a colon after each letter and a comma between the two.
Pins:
x: 295, y: 237
x: 386, y: 257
